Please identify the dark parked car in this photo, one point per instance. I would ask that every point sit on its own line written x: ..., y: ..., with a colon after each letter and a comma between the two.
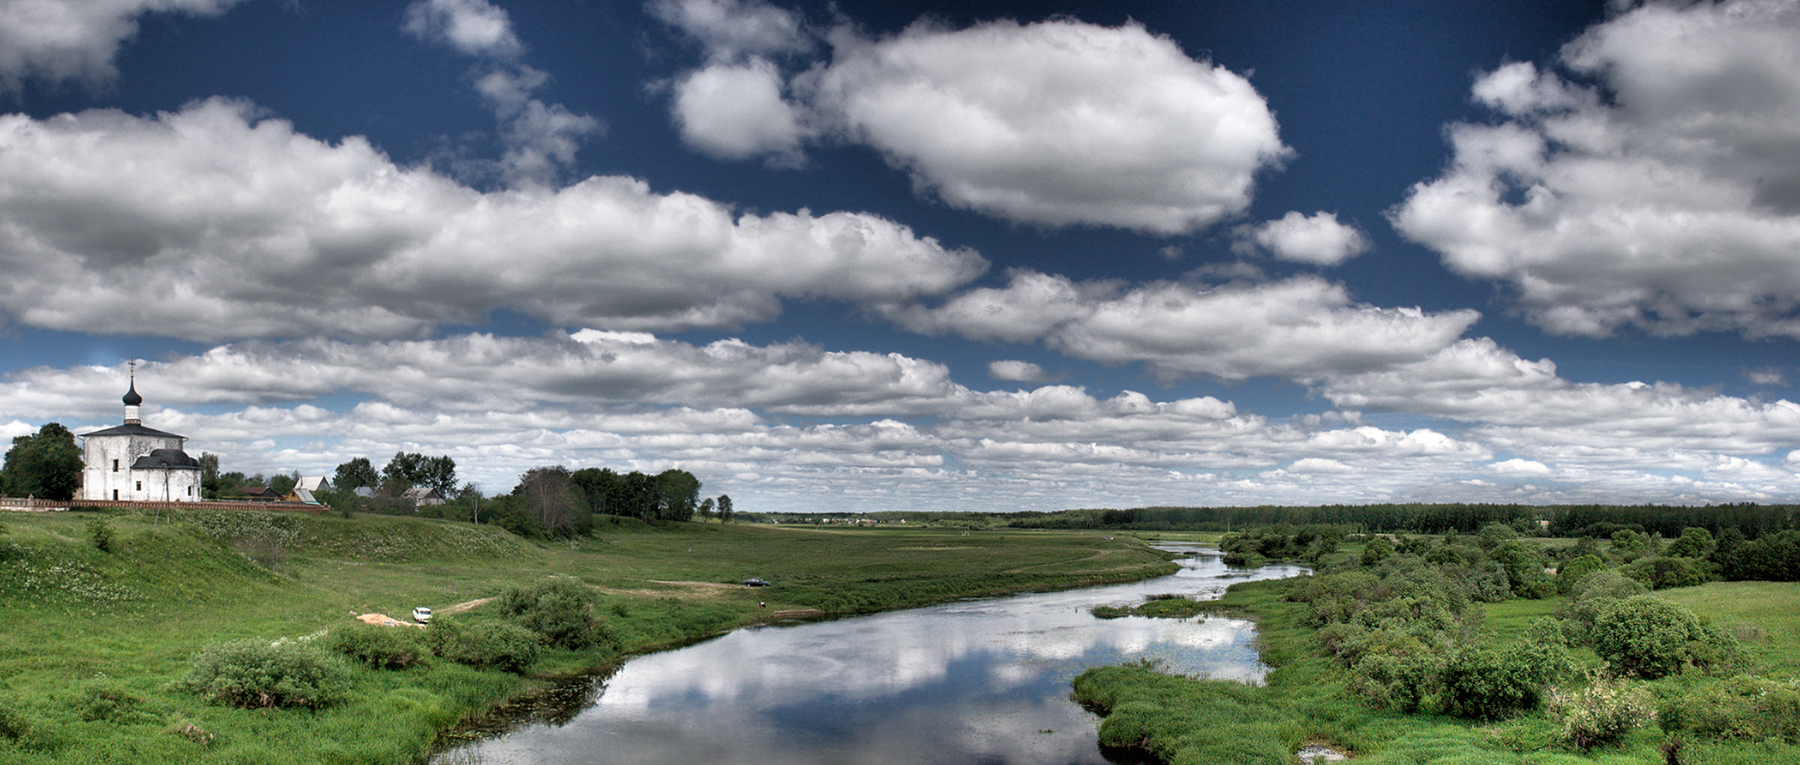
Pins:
x: 755, y: 583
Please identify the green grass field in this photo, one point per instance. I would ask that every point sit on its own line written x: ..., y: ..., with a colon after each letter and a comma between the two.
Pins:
x: 1194, y: 721
x: 82, y: 624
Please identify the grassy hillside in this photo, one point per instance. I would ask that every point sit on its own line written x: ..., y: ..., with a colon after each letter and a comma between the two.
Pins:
x: 96, y: 640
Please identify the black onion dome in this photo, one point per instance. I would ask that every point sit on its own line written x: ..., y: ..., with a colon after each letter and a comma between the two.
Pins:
x: 131, y: 396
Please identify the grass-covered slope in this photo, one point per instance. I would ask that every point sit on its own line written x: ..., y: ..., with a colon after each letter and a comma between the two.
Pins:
x: 95, y: 643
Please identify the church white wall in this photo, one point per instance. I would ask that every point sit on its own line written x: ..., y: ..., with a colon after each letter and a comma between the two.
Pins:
x: 107, y: 474
x: 165, y: 485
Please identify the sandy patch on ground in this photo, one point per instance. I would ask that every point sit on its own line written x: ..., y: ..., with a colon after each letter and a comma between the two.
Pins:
x: 464, y: 607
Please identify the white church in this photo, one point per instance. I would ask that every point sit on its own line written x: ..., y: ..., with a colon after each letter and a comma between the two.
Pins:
x: 133, y: 462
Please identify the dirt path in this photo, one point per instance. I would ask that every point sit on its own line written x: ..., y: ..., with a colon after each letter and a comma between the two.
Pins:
x: 464, y: 607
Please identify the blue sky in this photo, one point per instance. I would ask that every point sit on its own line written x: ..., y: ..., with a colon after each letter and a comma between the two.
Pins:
x: 988, y: 256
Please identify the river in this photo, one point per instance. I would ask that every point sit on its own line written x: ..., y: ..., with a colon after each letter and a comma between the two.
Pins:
x: 983, y: 681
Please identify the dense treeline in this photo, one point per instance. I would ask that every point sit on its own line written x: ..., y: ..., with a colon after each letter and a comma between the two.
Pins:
x: 1418, y: 517
x: 1426, y: 518
x: 1602, y: 520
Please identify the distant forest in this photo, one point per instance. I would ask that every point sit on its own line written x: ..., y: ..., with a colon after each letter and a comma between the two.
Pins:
x: 1751, y: 520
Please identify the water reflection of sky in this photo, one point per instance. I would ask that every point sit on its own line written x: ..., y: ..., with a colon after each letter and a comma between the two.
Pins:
x: 973, y: 682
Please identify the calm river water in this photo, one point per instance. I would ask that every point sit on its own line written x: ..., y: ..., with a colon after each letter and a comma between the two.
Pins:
x: 971, y: 682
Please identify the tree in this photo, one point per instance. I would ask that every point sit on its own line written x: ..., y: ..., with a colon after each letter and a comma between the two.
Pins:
x: 407, y: 470
x: 1376, y: 550
x: 1695, y: 542
x: 209, y: 475
x: 706, y: 508
x: 46, y: 465
x: 550, y: 498
x: 724, y: 509
x: 282, y: 484
x: 678, y: 492
x: 356, y: 474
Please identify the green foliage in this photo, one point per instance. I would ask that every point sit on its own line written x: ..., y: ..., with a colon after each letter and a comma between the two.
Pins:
x: 112, y: 704
x: 1661, y: 573
x: 1695, y: 542
x: 1742, y: 707
x: 378, y: 647
x: 1311, y: 543
x: 100, y: 533
x: 497, y: 645
x: 1593, y: 594
x: 46, y: 465
x: 1629, y: 545
x: 1646, y: 636
x: 1400, y: 683
x: 257, y: 674
x: 1574, y: 570
x: 407, y: 470
x: 1494, y: 534
x: 355, y: 474
x: 1600, y: 714
x: 1486, y: 683
x: 1376, y: 550
x: 1771, y: 557
x: 560, y: 610
x: 1524, y: 566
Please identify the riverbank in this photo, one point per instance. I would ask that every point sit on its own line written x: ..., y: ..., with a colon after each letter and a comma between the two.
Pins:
x: 97, y: 639
x: 1306, y: 700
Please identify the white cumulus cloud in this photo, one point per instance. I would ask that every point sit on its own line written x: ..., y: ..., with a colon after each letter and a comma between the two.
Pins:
x: 734, y: 111
x: 176, y: 224
x: 60, y: 40
x: 1318, y: 239
x: 1056, y: 123
x: 1302, y: 328
x: 1665, y: 196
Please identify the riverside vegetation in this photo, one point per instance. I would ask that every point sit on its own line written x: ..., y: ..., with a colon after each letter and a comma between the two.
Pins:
x: 1495, y: 647
x: 228, y: 636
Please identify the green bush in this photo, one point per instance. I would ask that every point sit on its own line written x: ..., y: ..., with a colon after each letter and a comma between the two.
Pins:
x: 1400, y: 683
x: 1574, y: 570
x: 1661, y: 573
x: 100, y: 533
x: 1376, y: 550
x: 560, y: 610
x: 1743, y: 707
x: 1593, y: 594
x: 1646, y: 636
x: 1600, y: 714
x: 501, y: 645
x: 1486, y: 683
x: 256, y: 674
x: 378, y: 647
x: 105, y: 703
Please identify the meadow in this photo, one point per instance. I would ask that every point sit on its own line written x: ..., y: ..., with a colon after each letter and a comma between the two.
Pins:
x: 96, y: 641
x: 1741, y: 711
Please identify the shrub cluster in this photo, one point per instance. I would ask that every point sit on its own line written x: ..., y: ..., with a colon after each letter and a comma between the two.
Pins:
x: 1742, y: 707
x: 1600, y: 714
x: 257, y: 674
x: 1260, y: 545
x: 106, y: 703
x: 559, y: 610
x: 1646, y: 636
x: 378, y: 647
x: 500, y: 645
x: 1404, y: 624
